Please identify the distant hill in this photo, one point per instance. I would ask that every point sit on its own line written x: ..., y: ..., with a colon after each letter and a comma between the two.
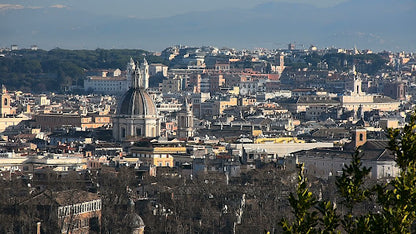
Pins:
x: 374, y: 24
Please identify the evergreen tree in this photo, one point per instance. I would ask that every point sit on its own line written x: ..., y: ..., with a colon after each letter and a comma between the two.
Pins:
x: 398, y: 198
x: 351, y: 188
x: 302, y: 203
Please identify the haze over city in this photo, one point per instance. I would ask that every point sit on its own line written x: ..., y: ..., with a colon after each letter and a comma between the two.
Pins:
x: 154, y: 25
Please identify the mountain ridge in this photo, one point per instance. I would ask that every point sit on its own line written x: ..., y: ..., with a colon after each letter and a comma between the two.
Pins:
x: 387, y: 25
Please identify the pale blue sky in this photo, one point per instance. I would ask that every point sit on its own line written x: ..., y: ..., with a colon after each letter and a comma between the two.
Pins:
x: 152, y: 8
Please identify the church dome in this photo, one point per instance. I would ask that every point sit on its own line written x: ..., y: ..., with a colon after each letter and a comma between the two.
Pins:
x: 136, y: 114
x: 133, y: 221
x: 136, y: 101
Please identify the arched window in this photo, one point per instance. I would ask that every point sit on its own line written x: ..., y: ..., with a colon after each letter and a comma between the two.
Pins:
x: 361, y: 137
x: 5, y: 101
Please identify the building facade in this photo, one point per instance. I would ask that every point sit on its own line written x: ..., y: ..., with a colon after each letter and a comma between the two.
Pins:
x: 158, y: 155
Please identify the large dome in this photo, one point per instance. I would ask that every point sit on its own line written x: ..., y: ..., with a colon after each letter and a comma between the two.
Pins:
x: 133, y: 221
x: 136, y: 101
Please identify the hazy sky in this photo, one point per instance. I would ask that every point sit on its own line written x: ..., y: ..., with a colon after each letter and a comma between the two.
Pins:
x: 153, y: 8
x: 374, y: 24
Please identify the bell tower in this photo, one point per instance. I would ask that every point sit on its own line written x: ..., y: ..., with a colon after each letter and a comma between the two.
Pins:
x: 185, y: 121
x: 145, y: 73
x: 5, y: 108
x: 281, y: 63
x: 131, y: 67
x: 357, y: 83
x: 359, y: 137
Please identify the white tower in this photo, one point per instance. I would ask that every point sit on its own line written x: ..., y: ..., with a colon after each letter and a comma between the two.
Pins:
x: 134, y: 69
x: 185, y: 121
x: 357, y: 83
x: 138, y: 82
x: 145, y: 73
x: 131, y: 67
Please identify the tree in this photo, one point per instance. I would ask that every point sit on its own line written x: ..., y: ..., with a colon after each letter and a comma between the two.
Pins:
x: 302, y: 203
x: 330, y: 219
x: 351, y: 189
x: 403, y: 143
x: 398, y: 198
x: 58, y: 68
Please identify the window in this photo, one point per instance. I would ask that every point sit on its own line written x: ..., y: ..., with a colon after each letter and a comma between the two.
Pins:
x: 361, y: 137
x: 5, y: 101
x: 123, y: 132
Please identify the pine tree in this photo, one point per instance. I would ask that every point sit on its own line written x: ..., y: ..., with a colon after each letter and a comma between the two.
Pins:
x: 302, y: 203
x: 398, y: 198
x: 351, y: 189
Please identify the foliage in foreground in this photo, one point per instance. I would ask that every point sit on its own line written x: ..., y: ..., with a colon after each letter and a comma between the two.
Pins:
x: 395, y: 201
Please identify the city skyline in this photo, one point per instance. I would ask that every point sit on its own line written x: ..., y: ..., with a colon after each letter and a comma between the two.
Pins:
x: 205, y: 139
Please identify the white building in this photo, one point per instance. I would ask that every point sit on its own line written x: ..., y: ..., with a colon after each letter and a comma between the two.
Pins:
x: 156, y: 68
x: 325, y: 162
x: 116, y: 84
x: 42, y: 100
x: 106, y: 85
x: 280, y: 150
x: 252, y: 87
x: 366, y: 102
